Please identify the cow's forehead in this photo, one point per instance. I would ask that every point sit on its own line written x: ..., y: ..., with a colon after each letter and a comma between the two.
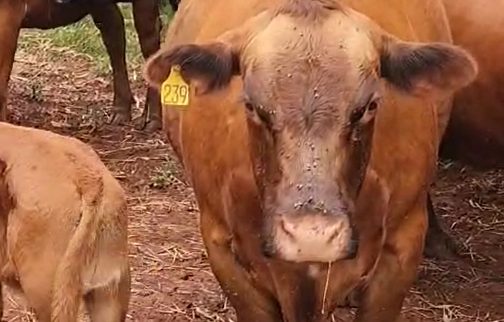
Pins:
x: 338, y: 37
x: 317, y: 69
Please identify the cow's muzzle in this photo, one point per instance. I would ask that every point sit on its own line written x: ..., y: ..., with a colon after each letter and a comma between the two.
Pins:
x: 311, y: 238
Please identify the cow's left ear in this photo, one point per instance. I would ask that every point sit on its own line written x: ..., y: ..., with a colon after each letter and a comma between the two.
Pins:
x: 212, y: 64
x: 426, y: 69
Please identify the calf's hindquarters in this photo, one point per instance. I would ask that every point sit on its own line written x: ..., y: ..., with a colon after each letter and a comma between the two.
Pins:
x: 66, y: 227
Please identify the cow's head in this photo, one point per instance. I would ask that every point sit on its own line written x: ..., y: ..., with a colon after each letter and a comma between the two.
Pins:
x: 314, y: 73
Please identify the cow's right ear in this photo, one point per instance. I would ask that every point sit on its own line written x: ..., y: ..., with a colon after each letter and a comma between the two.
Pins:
x: 211, y: 65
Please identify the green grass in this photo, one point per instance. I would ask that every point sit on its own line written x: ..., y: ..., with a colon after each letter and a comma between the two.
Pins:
x: 84, y: 38
x: 167, y: 175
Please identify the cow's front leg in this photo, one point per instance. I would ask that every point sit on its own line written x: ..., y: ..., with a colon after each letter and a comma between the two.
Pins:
x: 109, y: 20
x: 250, y: 303
x: 148, y: 27
x: 396, y: 270
x: 438, y: 243
x: 11, y: 16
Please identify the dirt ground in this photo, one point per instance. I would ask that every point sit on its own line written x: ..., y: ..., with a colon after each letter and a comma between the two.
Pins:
x: 172, y: 280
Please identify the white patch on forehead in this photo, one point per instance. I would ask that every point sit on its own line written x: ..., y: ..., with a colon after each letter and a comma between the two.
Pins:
x: 352, y: 37
x: 339, y: 35
x: 280, y: 35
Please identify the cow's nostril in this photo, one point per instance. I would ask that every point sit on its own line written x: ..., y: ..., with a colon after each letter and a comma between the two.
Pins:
x: 335, y: 231
x: 353, y: 247
x: 288, y: 228
x: 333, y: 236
x: 267, y: 249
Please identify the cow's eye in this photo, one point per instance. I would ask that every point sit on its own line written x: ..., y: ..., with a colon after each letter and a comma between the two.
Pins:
x: 264, y: 114
x: 366, y: 112
x: 373, y: 106
x: 357, y: 114
x: 249, y: 106
x: 258, y: 114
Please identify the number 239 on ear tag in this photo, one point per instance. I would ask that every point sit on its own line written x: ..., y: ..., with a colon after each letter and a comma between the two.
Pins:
x: 175, y: 90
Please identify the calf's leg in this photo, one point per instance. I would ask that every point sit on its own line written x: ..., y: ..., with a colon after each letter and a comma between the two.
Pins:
x: 36, y: 285
x: 32, y: 265
x: 396, y: 270
x: 109, y: 20
x: 109, y: 303
x: 11, y: 16
x: 148, y: 27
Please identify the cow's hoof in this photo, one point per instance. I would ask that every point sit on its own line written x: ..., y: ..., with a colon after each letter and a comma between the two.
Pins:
x: 152, y: 126
x: 140, y: 122
x: 148, y: 126
x: 442, y: 246
x: 120, y: 118
x: 352, y: 300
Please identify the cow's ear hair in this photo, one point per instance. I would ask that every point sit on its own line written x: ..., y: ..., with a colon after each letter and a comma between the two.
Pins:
x: 212, y: 65
x: 426, y: 69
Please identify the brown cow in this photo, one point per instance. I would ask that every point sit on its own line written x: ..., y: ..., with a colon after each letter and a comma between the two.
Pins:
x: 43, y: 14
x: 289, y: 165
x: 63, y: 227
x: 475, y: 133
x: 476, y: 129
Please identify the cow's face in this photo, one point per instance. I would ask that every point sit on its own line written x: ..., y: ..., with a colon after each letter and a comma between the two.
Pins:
x: 314, y: 75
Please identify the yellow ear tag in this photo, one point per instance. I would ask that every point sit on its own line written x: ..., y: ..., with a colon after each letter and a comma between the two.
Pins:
x: 174, y: 90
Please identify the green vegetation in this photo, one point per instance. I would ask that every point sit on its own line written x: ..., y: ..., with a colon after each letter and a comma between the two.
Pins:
x: 84, y: 38
x: 166, y: 176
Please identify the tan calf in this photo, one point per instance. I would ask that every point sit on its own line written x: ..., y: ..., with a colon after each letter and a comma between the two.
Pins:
x: 63, y: 227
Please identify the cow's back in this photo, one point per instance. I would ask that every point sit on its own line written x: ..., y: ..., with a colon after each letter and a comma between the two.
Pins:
x: 413, y: 20
x: 476, y: 131
x: 48, y: 14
